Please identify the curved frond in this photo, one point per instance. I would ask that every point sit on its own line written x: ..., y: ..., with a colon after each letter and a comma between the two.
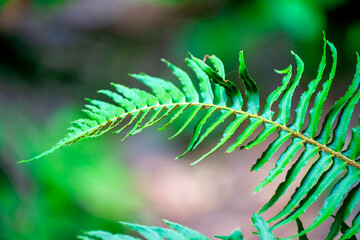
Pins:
x: 176, y: 232
x: 334, y: 169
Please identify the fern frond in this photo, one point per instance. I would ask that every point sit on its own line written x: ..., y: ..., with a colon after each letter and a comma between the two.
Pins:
x: 176, y: 232
x: 336, y: 167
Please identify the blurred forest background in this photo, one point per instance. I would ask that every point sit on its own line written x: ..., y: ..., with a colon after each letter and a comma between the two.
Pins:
x: 55, y: 53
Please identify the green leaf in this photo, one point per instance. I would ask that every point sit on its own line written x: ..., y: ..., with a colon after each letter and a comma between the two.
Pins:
x: 310, y: 179
x: 188, y: 233
x: 235, y: 235
x: 165, y: 91
x: 197, y: 130
x: 254, y: 123
x: 263, y: 228
x: 214, y: 76
x: 353, y: 150
x: 354, y: 229
x: 325, y: 134
x: 189, y: 89
x: 190, y: 117
x: 224, y: 115
x: 126, y: 104
x: 178, y: 113
x: 344, y: 212
x: 145, y: 231
x: 204, y: 82
x: 309, y: 152
x: 131, y: 95
x: 251, y: 89
x: 284, y: 159
x: 229, y: 131
x: 168, y: 233
x: 314, y: 193
x: 285, y: 102
x: 300, y: 229
x: 95, y: 235
x: 334, y: 199
x: 301, y: 110
x: 270, y: 151
x: 175, y: 232
x: 268, y: 130
x: 268, y: 113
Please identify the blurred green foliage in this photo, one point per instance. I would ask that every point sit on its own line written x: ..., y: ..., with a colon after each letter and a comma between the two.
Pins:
x: 81, y: 189
x: 352, y: 37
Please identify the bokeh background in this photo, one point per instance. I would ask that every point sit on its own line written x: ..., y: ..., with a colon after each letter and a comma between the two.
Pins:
x: 55, y: 53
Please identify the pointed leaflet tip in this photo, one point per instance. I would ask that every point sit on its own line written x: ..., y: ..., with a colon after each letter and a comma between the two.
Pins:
x: 188, y: 87
x: 284, y: 71
x: 251, y: 88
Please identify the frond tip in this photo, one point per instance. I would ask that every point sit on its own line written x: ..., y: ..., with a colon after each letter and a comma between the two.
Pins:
x: 217, y: 100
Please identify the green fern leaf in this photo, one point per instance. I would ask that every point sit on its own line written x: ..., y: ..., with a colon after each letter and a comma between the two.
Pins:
x: 264, y: 229
x: 180, y: 232
x: 349, y: 232
x: 92, y: 235
x: 174, y: 232
x: 300, y: 229
x: 214, y: 100
x: 344, y: 212
x: 235, y: 235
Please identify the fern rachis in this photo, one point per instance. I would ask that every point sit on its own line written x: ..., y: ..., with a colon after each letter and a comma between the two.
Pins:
x: 135, y: 110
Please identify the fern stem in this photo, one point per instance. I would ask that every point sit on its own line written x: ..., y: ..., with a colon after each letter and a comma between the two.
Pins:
x: 306, y: 139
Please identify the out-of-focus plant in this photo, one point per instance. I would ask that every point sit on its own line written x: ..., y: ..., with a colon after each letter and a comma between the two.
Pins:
x: 52, y: 200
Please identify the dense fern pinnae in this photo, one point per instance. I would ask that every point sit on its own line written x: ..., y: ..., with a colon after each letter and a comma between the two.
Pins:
x: 176, y: 232
x: 336, y: 167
